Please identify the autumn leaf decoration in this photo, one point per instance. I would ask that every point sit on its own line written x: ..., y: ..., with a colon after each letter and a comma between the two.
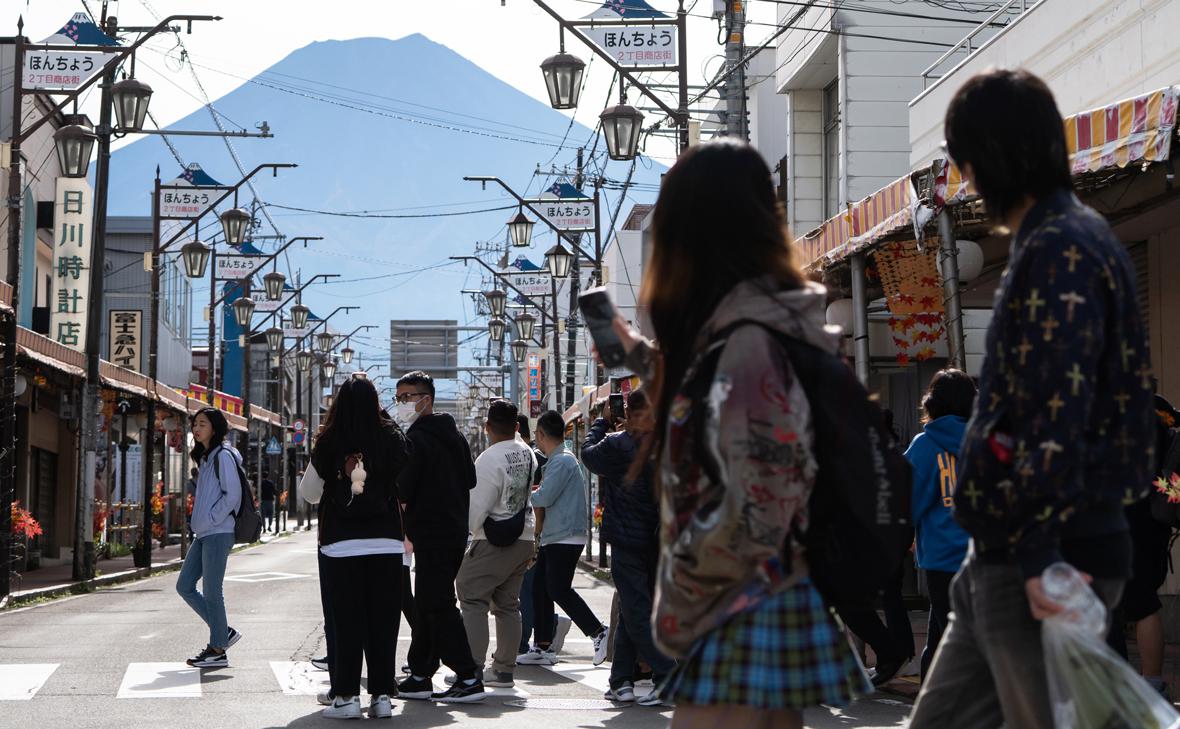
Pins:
x: 1169, y: 487
x: 913, y: 293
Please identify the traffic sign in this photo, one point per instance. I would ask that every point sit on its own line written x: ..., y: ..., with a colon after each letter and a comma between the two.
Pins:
x: 297, y: 438
x: 299, y: 426
x: 272, y: 448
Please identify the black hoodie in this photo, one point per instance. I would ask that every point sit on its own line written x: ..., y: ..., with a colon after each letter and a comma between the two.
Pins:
x: 437, y: 481
x: 373, y: 513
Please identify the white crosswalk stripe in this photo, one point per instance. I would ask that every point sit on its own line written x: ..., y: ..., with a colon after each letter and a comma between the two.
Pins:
x: 160, y: 681
x: 299, y: 678
x: 22, y: 681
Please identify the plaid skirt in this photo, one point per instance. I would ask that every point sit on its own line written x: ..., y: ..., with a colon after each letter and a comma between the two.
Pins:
x: 787, y: 652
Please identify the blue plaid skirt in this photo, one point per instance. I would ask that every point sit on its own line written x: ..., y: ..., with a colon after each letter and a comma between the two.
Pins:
x: 788, y: 652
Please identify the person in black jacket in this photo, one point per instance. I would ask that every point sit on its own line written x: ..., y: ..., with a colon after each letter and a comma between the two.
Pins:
x: 436, y: 490
x: 630, y: 524
x: 359, y: 456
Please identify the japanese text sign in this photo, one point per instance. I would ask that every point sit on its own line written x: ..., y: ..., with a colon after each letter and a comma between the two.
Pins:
x: 569, y: 214
x: 236, y: 267
x: 124, y: 334
x: 71, y: 262
x: 637, y: 46
x: 531, y: 283
x: 185, y: 202
x: 60, y: 70
x: 263, y: 305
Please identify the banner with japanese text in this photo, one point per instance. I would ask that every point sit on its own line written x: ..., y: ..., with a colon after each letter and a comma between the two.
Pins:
x: 72, y: 248
x: 124, y: 335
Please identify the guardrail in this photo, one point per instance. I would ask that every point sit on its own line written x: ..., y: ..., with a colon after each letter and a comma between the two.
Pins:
x: 967, y: 45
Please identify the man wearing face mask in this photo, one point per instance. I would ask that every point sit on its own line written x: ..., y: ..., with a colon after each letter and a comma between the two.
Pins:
x: 435, y: 486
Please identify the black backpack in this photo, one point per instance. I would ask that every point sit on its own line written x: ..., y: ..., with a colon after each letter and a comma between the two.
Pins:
x: 247, y: 521
x: 859, y: 519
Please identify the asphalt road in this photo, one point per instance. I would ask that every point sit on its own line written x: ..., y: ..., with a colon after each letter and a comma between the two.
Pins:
x: 115, y: 658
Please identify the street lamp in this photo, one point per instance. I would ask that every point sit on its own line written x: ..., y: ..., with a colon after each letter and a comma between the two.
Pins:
x: 329, y: 369
x: 299, y: 314
x: 274, y: 339
x: 323, y: 341
x: 526, y: 323
x: 558, y: 260
x: 496, y: 299
x: 74, y: 144
x: 496, y: 330
x: 520, y: 230
x: 563, y: 79
x: 346, y: 355
x: 243, y: 311
x: 621, y: 125
x: 195, y: 255
x: 233, y: 224
x: 274, y: 282
x: 303, y: 359
x: 520, y: 350
x: 131, y: 99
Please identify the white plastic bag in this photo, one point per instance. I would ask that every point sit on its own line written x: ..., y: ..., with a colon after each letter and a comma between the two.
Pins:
x: 1091, y: 686
x: 311, y: 487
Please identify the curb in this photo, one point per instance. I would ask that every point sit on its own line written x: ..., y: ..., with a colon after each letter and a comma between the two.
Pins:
x: 87, y: 586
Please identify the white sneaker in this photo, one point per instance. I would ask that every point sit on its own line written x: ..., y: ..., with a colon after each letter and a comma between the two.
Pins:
x: 450, y: 679
x: 537, y: 657
x: 343, y: 708
x: 623, y: 693
x: 652, y: 699
x: 380, y: 707
x: 559, y: 634
x: 601, y: 645
x: 324, y: 698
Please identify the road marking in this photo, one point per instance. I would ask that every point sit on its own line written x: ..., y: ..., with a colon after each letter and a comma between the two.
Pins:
x: 160, y: 681
x: 22, y: 681
x: 587, y: 674
x: 264, y: 577
x: 300, y: 678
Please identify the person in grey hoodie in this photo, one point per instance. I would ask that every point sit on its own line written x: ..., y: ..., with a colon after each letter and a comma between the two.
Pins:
x: 218, y: 497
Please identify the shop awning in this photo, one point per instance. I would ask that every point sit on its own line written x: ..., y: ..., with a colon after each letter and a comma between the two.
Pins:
x: 1124, y: 133
x: 6, y: 297
x: 49, y: 353
x: 263, y: 415
x: 888, y: 211
x: 119, y: 378
x: 223, y: 402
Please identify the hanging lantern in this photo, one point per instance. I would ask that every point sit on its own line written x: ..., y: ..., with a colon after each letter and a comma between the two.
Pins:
x: 970, y: 258
x: 520, y: 350
x: 233, y: 224
x: 274, y: 339
x: 520, y: 230
x: 329, y: 370
x: 496, y: 330
x: 526, y: 324
x: 563, y: 79
x: 74, y: 144
x: 299, y: 314
x: 130, y: 97
x: 274, y: 282
x: 839, y: 313
x: 195, y: 255
x: 621, y: 125
x: 303, y: 359
x: 496, y: 300
x: 558, y: 260
x: 323, y: 341
x: 346, y: 355
x: 243, y: 311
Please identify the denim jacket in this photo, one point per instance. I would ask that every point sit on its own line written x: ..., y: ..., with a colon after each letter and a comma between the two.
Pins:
x: 563, y: 496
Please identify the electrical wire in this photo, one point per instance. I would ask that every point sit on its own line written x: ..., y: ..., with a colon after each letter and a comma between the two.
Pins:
x: 384, y: 216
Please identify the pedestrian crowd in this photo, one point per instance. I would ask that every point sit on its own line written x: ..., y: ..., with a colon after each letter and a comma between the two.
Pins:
x: 742, y: 551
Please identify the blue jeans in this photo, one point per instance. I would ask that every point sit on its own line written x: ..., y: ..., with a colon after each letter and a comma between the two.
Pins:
x: 634, y: 575
x: 206, y: 561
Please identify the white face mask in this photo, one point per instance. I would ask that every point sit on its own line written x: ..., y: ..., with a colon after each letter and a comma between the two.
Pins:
x: 406, y: 414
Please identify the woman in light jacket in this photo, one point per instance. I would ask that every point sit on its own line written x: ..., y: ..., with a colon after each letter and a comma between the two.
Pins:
x: 218, y: 497
x: 734, y: 446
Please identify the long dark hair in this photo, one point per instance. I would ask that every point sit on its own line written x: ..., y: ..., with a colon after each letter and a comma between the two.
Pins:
x: 951, y: 392
x: 716, y: 223
x: 220, y: 430
x: 353, y: 424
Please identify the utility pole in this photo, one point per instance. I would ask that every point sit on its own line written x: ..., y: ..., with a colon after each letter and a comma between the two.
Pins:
x: 736, y: 123
x: 575, y: 279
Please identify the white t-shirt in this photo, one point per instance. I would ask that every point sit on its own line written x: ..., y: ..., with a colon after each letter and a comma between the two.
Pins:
x: 503, y: 482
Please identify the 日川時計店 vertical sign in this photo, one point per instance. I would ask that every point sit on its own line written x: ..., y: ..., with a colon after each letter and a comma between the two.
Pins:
x: 124, y: 334
x: 71, y: 261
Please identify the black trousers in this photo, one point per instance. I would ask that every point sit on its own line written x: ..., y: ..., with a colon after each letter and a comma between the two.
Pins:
x: 553, y: 583
x: 326, y: 606
x: 439, y: 635
x: 938, y: 584
x: 366, y: 615
x: 407, y: 597
x: 892, y: 643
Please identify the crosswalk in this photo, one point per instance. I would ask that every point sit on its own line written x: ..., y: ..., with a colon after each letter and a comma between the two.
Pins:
x: 23, y: 681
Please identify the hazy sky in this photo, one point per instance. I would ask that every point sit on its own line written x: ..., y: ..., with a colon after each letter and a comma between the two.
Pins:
x: 508, y: 40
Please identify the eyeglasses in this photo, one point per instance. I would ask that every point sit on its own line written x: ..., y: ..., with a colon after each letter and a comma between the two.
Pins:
x: 406, y: 397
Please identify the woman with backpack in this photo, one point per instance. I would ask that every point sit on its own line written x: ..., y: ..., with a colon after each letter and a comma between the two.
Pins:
x: 218, y: 497
x: 735, y: 452
x: 359, y: 455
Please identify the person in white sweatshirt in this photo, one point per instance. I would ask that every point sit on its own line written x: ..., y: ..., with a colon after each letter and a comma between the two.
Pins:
x: 502, y: 544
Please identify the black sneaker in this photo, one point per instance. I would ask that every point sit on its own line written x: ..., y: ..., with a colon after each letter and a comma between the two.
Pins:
x: 209, y: 658
x: 412, y: 688
x: 320, y: 664
x: 887, y: 671
x: 233, y: 637
x: 461, y: 692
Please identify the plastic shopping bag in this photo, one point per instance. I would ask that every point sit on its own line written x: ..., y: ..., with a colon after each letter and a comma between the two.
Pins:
x: 1091, y: 686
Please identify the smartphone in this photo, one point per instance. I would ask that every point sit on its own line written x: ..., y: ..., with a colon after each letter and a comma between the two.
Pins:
x: 617, y: 409
x: 599, y: 312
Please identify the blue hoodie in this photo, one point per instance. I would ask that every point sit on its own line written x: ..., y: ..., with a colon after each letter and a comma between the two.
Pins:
x: 942, y: 543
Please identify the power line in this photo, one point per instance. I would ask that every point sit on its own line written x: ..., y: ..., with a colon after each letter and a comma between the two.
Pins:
x: 368, y: 214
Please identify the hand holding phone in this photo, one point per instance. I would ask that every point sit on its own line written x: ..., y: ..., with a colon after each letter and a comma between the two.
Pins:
x: 600, y: 313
